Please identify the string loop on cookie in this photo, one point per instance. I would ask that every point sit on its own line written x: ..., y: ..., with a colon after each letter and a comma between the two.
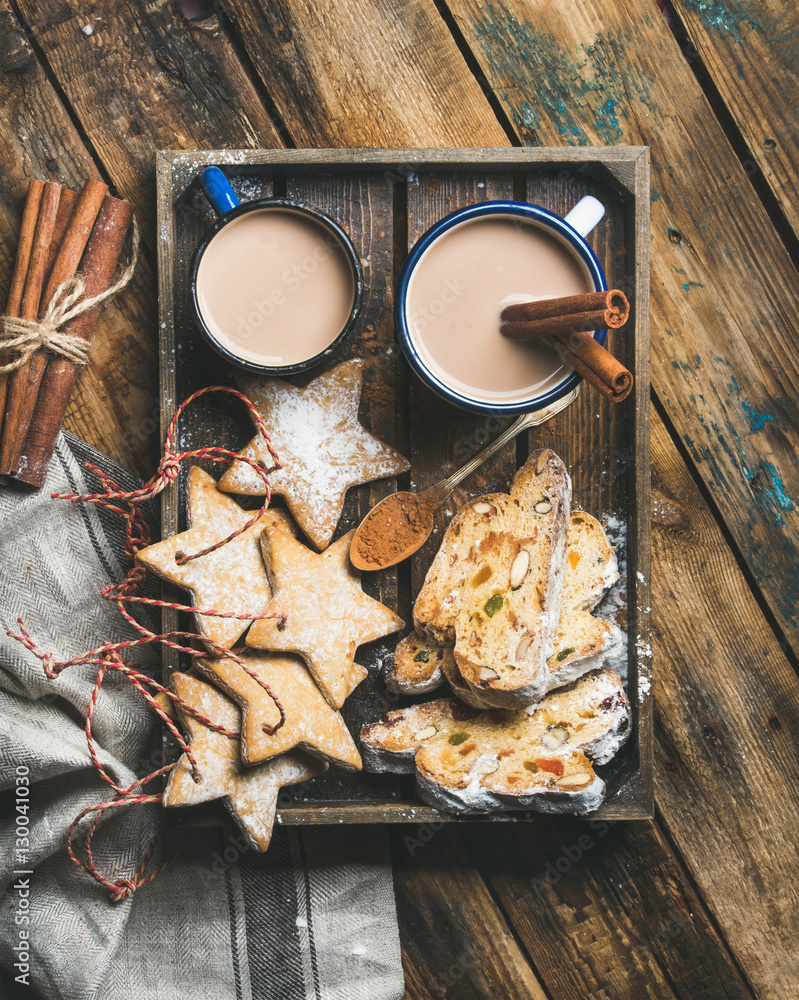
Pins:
x: 126, y: 502
x: 107, y: 657
x: 121, y: 888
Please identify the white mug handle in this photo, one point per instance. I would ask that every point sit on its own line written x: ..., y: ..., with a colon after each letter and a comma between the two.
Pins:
x: 585, y: 215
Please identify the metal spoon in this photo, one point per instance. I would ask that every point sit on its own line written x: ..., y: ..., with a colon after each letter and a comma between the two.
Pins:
x: 409, y: 516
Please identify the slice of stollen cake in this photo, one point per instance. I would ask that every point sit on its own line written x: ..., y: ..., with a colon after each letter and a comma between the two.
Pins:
x: 417, y: 666
x: 494, y: 589
x: 468, y: 761
x: 582, y: 642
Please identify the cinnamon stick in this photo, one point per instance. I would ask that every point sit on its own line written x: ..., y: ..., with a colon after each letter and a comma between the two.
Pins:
x: 597, y: 366
x: 97, y: 270
x: 42, y: 237
x: 28, y: 309
x: 30, y: 214
x: 75, y: 238
x: 24, y: 385
x: 66, y: 208
x: 567, y: 321
x: 564, y: 315
x: 555, y: 326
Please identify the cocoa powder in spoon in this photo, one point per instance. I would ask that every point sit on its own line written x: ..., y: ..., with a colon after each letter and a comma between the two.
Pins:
x: 396, y: 526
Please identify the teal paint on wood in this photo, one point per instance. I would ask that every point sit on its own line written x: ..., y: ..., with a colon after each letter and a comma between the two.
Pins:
x: 582, y: 80
x: 757, y: 421
x: 769, y: 493
x: 716, y: 15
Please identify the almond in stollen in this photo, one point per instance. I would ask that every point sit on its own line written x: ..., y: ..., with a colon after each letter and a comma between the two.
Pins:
x: 519, y: 569
x: 524, y: 645
x: 554, y: 737
x: 485, y: 764
x: 426, y: 733
x: 575, y: 782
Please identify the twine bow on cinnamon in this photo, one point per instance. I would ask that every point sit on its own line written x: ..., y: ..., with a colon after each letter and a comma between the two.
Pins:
x: 24, y: 337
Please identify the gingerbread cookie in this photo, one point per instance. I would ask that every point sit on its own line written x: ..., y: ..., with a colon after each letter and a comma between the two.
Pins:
x: 322, y: 446
x: 233, y: 577
x: 311, y: 724
x: 250, y: 793
x: 327, y: 615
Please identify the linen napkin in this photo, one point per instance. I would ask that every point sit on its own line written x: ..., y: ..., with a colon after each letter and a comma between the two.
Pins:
x: 314, y: 917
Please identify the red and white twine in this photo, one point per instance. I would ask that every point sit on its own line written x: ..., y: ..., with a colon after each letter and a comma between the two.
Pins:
x: 107, y: 657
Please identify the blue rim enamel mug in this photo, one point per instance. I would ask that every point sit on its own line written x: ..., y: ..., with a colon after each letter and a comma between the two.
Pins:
x: 229, y: 210
x: 569, y: 231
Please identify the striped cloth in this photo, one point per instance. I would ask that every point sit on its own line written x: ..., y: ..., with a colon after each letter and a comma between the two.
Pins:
x: 314, y: 917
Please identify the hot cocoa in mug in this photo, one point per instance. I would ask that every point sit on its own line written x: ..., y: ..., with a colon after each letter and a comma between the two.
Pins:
x: 460, y: 276
x: 276, y: 285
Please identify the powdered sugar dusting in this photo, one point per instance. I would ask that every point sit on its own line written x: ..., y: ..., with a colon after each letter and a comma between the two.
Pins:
x: 327, y: 614
x: 232, y: 578
x: 250, y: 793
x: 323, y: 447
x: 310, y: 724
x: 613, y: 606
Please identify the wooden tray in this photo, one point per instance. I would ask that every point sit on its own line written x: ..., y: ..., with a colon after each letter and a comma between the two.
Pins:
x: 386, y: 199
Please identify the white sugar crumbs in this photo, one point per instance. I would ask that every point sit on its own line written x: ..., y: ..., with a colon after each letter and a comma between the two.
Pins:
x: 300, y: 922
x: 613, y: 606
x: 87, y: 30
x: 359, y: 950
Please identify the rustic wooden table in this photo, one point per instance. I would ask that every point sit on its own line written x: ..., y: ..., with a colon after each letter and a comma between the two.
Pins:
x: 702, y: 901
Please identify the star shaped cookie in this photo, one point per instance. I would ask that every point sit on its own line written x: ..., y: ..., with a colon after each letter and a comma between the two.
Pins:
x: 250, y: 793
x: 233, y: 577
x: 327, y: 614
x: 323, y: 447
x: 311, y: 724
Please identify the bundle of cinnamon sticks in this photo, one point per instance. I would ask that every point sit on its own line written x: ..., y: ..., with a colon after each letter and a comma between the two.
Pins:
x: 567, y: 321
x: 63, y: 234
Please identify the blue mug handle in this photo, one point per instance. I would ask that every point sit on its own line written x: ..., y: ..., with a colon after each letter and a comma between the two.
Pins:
x: 218, y: 190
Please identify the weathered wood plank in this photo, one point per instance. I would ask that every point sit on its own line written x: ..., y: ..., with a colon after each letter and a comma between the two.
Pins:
x: 115, y: 398
x: 365, y: 74
x: 724, y: 295
x: 605, y: 911
x: 727, y: 731
x: 148, y: 79
x: 749, y: 50
x: 456, y: 943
